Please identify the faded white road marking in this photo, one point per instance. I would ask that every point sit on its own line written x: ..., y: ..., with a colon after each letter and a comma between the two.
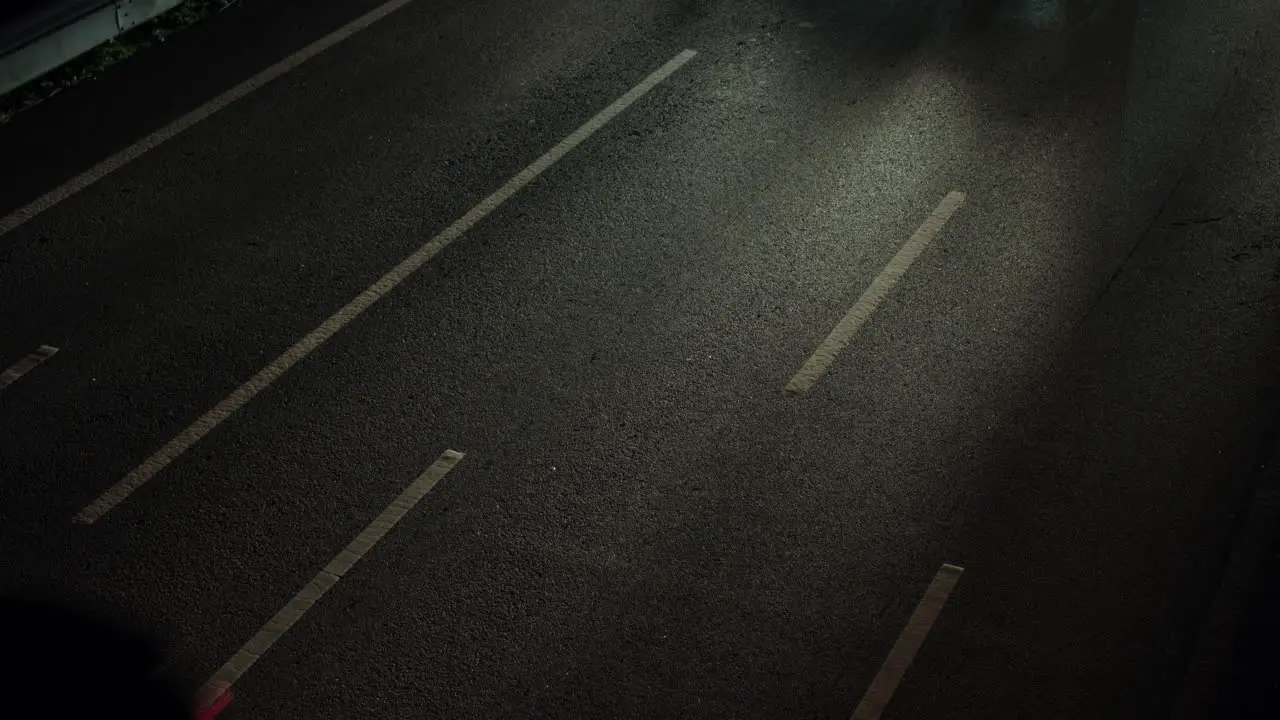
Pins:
x: 277, y: 626
x: 817, y: 364
x: 312, y: 340
x: 157, y: 138
x: 26, y: 365
x: 904, y: 651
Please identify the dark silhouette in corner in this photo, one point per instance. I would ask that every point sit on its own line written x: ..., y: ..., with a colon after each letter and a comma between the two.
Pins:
x: 115, y: 671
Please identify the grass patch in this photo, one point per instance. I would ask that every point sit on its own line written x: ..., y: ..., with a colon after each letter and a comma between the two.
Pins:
x: 97, y: 61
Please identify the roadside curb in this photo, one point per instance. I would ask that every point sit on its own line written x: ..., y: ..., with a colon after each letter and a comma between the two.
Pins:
x: 50, y: 49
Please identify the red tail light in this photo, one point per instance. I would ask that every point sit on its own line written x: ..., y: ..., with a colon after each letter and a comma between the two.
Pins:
x: 213, y: 701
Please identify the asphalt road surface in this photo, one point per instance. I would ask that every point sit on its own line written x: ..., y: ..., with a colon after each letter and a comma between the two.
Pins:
x: 1068, y: 390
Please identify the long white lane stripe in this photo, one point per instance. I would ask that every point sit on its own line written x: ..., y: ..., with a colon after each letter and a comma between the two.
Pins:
x: 278, y: 625
x: 155, y: 139
x: 904, y: 651
x: 26, y: 365
x: 816, y: 366
x: 265, y: 377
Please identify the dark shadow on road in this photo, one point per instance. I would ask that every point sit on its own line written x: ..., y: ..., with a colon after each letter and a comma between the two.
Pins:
x: 1127, y: 82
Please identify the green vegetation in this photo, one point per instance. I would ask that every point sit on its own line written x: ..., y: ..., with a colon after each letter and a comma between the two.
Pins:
x: 97, y: 61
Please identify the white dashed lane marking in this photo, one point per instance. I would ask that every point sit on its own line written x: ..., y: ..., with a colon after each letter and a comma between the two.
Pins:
x: 288, y: 616
x: 26, y: 365
x: 265, y: 377
x: 904, y: 651
x: 816, y: 366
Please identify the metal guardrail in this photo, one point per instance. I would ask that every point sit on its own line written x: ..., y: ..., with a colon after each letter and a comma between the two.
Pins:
x: 37, y: 36
x: 22, y: 21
